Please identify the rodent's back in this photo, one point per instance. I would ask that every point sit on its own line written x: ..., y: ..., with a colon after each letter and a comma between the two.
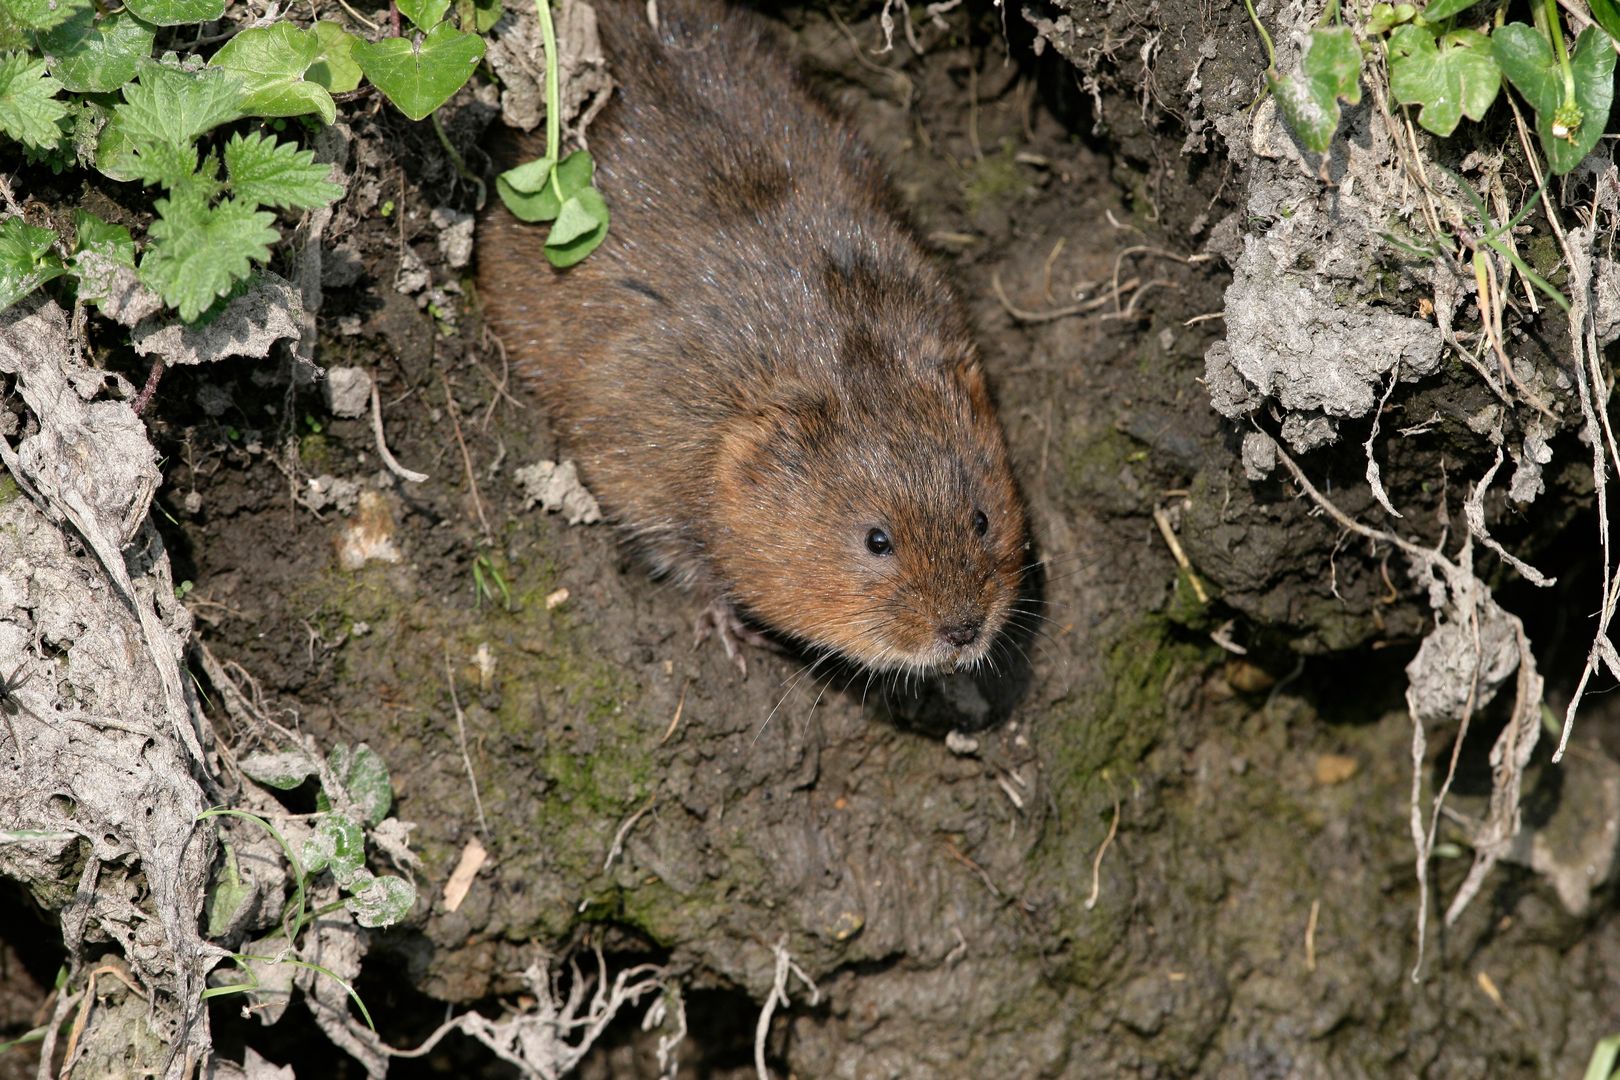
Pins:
x: 759, y: 367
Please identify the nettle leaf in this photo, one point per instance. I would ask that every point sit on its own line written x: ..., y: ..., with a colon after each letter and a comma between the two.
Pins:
x: 197, y: 252
x: 92, y: 53
x: 283, y: 771
x: 175, y: 105
x: 579, y: 230
x: 1526, y: 58
x: 1309, y: 100
x: 29, y: 111
x: 425, y: 14
x: 337, y: 844
x: 1450, y: 78
x: 272, y: 61
x: 177, y: 12
x: 419, y: 77
x: 265, y: 172
x: 39, y: 14
x: 383, y: 901
x: 334, y: 66
x: 364, y: 776
x: 27, y: 260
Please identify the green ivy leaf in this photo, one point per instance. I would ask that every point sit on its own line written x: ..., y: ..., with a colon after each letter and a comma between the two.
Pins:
x: 1527, y: 59
x: 334, y: 66
x: 425, y: 14
x: 265, y: 172
x: 91, y: 233
x: 29, y: 111
x: 271, y: 62
x: 420, y: 77
x: 177, y: 12
x: 364, y: 776
x: 1607, y: 16
x: 579, y: 230
x: 26, y: 259
x: 337, y: 844
x: 486, y: 13
x: 198, y: 252
x: 92, y: 54
x: 1445, y: 9
x: 1330, y: 71
x: 1453, y: 77
x: 383, y: 901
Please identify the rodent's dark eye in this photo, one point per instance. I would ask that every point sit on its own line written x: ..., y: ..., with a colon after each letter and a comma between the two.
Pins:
x: 878, y: 543
x: 981, y: 524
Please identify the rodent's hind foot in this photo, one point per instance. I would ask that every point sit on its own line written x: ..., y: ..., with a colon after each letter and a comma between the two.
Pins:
x: 720, y: 620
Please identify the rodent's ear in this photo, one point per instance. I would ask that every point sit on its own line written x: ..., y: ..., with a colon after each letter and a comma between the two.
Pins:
x: 968, y: 373
x: 775, y: 439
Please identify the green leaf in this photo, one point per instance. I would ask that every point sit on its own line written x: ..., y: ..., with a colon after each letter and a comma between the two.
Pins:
x: 283, y: 771
x: 337, y: 844
x: 1384, y: 16
x: 383, y: 901
x: 271, y: 61
x: 426, y: 14
x: 1601, y: 1065
x: 364, y: 776
x: 420, y: 77
x: 29, y: 110
x: 528, y: 190
x: 334, y: 66
x: 1445, y: 9
x: 227, y: 896
x: 26, y: 259
x: 177, y: 12
x: 198, y: 252
x: 91, y: 233
x: 486, y: 13
x: 264, y: 172
x: 175, y: 105
x: 522, y: 189
x: 1608, y: 17
x: 1453, y: 77
x: 1309, y: 101
x: 93, y: 54
x: 39, y: 14
x: 579, y: 230
x: 1527, y: 59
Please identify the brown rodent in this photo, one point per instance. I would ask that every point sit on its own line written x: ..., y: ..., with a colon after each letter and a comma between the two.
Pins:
x: 763, y: 378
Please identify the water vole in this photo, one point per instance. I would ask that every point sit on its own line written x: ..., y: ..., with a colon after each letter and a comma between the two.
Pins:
x: 763, y: 378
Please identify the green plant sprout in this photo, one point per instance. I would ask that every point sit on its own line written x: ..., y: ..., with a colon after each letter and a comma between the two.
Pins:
x: 558, y: 191
x: 484, y: 574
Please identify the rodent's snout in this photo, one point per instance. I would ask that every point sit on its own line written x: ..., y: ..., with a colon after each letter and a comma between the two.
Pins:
x: 962, y: 632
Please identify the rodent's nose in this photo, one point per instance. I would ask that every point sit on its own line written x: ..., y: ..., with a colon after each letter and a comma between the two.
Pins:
x: 962, y: 633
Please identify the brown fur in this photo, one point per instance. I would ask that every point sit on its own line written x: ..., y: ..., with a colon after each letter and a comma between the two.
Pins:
x: 760, y: 366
